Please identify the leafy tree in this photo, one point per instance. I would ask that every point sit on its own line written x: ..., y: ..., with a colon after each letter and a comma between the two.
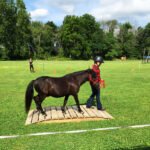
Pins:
x: 80, y: 36
x: 70, y: 36
x: 147, y: 36
x: 52, y: 25
x: 8, y: 28
x: 44, y: 38
x: 23, y: 32
x: 110, y: 45
x: 140, y: 41
x: 126, y: 40
x: 112, y: 24
x: 14, y: 29
x: 111, y: 49
x: 97, y: 46
x: 93, y: 36
x: 37, y: 30
x: 47, y: 41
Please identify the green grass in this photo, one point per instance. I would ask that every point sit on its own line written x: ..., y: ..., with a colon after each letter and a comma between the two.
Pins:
x: 126, y: 97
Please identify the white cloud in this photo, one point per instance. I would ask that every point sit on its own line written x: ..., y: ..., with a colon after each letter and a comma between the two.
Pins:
x: 38, y: 13
x: 120, y: 9
x: 68, y: 8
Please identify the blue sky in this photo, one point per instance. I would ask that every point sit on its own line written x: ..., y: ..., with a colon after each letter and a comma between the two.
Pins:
x: 135, y: 11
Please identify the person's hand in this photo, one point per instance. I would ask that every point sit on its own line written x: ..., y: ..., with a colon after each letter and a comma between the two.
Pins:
x: 102, y: 83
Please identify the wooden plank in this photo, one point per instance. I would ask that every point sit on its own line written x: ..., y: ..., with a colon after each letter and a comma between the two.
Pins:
x: 54, y: 113
x: 48, y: 113
x: 107, y: 115
x: 71, y: 111
x: 89, y: 111
x: 103, y: 115
x: 86, y: 115
x: 29, y: 117
x: 97, y: 112
x: 79, y: 115
x: 41, y: 117
x: 35, y: 116
x: 59, y: 113
x: 72, y: 120
x: 67, y: 114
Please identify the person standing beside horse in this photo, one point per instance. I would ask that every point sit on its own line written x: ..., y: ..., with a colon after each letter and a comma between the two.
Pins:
x: 95, y: 84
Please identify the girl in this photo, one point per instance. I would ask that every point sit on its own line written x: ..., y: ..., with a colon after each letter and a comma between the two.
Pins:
x: 95, y: 84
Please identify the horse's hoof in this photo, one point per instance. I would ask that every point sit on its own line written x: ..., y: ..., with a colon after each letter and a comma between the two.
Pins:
x: 44, y: 113
x: 35, y: 111
x: 63, y: 111
x: 80, y: 111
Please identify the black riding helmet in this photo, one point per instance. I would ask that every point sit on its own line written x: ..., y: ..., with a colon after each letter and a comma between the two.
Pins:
x: 98, y: 59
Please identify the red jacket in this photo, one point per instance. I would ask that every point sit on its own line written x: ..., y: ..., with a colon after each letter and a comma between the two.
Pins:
x: 96, y: 69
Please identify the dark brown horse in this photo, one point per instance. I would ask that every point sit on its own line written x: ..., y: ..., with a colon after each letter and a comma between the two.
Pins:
x: 56, y: 87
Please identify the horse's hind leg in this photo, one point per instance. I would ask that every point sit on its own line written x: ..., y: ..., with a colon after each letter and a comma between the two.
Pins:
x: 38, y: 101
x: 64, y: 105
x: 77, y: 102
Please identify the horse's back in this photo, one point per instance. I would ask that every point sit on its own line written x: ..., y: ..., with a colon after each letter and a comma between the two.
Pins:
x: 52, y: 86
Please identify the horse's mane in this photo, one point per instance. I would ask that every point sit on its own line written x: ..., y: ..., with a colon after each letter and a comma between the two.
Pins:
x: 68, y: 75
x: 77, y: 73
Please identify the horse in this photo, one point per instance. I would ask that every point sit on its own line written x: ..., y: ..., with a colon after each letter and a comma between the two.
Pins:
x: 56, y: 87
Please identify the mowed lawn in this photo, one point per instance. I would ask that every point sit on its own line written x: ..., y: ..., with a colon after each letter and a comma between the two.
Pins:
x: 126, y: 97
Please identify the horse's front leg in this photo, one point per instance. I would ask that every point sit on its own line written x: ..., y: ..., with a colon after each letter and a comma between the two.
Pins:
x: 77, y: 102
x: 64, y: 105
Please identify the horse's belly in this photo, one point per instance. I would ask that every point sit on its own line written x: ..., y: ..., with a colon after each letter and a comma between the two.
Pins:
x: 57, y: 95
x: 58, y: 92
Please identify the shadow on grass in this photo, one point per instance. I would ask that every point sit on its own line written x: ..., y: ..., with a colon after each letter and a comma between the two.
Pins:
x: 140, y: 147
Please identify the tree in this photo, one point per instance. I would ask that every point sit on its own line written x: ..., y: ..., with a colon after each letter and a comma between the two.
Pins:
x: 70, y: 37
x: 81, y: 36
x: 147, y: 36
x: 44, y: 37
x: 8, y: 28
x: 14, y: 29
x: 47, y: 41
x: 52, y: 25
x: 126, y: 40
x: 37, y: 29
x: 111, y: 24
x: 111, y: 49
x: 97, y: 46
x: 93, y: 36
x: 54, y: 38
x: 110, y: 45
x: 23, y: 32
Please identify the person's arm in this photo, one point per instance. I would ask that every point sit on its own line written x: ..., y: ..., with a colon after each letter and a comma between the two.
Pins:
x: 94, y: 68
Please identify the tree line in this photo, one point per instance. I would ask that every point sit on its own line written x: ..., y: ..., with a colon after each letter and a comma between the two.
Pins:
x: 79, y: 37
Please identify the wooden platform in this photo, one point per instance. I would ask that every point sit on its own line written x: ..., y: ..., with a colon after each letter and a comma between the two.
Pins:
x: 54, y: 114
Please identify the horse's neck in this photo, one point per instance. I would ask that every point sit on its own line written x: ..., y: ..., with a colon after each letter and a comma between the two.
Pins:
x: 82, y: 78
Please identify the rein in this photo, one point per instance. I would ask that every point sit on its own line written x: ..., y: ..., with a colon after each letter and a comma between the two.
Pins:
x: 91, y: 79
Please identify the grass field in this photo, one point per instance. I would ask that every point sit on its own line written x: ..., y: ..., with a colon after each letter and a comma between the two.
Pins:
x: 126, y: 97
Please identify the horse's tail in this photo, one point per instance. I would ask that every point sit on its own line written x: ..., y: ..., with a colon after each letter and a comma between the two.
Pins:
x: 28, y: 96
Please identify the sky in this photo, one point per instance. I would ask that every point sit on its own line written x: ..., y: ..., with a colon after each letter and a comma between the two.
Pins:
x: 136, y: 12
